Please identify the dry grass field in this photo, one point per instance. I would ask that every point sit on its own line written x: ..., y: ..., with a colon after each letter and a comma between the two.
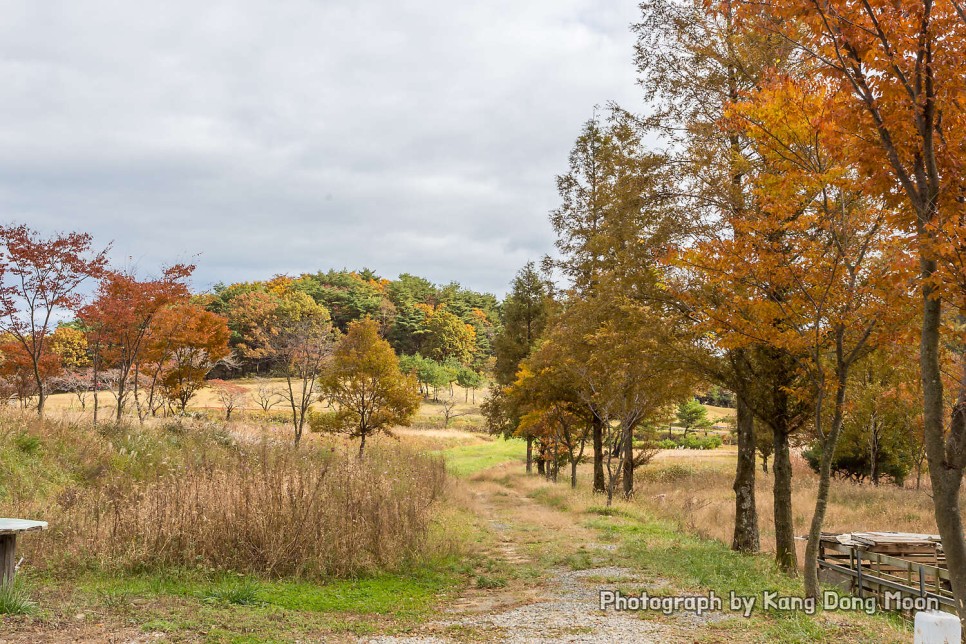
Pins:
x: 693, y: 488
x: 464, y: 414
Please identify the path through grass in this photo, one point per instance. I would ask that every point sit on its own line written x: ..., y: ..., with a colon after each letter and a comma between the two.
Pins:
x: 465, y: 460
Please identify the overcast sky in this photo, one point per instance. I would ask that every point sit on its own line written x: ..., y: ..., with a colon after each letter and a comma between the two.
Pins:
x: 288, y: 136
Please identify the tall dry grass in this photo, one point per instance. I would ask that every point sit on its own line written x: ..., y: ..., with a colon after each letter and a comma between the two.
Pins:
x: 165, y: 496
x: 694, y: 489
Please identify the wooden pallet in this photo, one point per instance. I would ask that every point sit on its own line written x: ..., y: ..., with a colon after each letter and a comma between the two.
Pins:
x: 878, y: 562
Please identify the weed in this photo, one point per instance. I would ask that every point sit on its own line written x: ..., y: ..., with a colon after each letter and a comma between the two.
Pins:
x: 241, y: 593
x: 15, y: 601
x: 27, y: 443
x: 483, y: 581
x: 580, y: 560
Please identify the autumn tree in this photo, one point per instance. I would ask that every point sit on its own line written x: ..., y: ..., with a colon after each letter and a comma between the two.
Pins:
x: 622, y: 378
x: 694, y: 60
x: 842, y: 283
x: 449, y: 337
x: 183, y: 345
x: 21, y: 374
x: 119, y: 318
x: 40, y: 279
x: 301, y: 339
x: 364, y: 384
x: 70, y: 345
x: 251, y: 319
x: 611, y: 227
x: 550, y: 409
x: 900, y: 67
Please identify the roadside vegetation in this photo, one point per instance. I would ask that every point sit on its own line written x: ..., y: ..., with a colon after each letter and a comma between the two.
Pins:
x: 210, y: 523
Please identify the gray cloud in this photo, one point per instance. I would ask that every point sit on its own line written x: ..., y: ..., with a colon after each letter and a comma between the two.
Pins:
x: 300, y: 135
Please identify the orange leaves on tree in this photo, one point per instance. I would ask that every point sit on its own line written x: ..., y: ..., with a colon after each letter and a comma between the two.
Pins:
x: 40, y: 278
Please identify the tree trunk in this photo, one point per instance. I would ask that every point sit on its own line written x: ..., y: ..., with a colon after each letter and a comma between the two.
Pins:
x: 874, y: 458
x: 598, y: 440
x: 944, y: 456
x: 824, y: 481
x: 628, y: 461
x: 785, y: 553
x: 746, y: 536
x: 41, y: 391
x: 96, y: 399
x: 529, y: 454
x: 362, y: 443
x: 541, y: 465
x: 573, y: 473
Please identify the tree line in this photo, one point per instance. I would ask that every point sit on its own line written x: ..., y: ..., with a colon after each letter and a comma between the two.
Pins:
x: 69, y: 322
x: 785, y: 223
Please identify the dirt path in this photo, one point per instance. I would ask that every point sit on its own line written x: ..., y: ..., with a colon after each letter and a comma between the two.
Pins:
x: 553, y: 602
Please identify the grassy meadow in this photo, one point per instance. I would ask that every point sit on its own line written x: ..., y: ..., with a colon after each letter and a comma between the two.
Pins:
x: 194, y: 529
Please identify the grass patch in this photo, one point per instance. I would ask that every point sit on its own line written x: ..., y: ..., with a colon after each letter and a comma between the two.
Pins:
x: 229, y: 608
x: 690, y: 564
x: 401, y: 595
x: 465, y: 460
x: 551, y: 497
x: 484, y: 581
x: 242, y: 593
x: 397, y: 595
x: 15, y: 601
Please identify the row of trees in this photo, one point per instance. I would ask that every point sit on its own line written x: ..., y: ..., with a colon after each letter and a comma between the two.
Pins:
x: 445, y: 323
x: 150, y: 344
x: 792, y: 238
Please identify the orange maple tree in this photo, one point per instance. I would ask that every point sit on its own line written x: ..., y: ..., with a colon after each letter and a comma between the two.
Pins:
x: 184, y: 342
x: 119, y: 318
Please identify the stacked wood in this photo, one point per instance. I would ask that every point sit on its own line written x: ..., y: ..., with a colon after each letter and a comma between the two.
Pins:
x: 919, y: 548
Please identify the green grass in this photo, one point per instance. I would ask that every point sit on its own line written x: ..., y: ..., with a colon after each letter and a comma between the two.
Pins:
x: 694, y: 565
x: 408, y: 596
x: 465, y: 460
x: 242, y: 593
x: 232, y: 608
x: 401, y: 595
x: 15, y: 601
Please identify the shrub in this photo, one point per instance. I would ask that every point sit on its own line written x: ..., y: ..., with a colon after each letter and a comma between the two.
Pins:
x: 667, y: 443
x: 693, y: 441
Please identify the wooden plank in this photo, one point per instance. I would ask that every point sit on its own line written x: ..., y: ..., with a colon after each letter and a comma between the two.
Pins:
x: 16, y: 526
